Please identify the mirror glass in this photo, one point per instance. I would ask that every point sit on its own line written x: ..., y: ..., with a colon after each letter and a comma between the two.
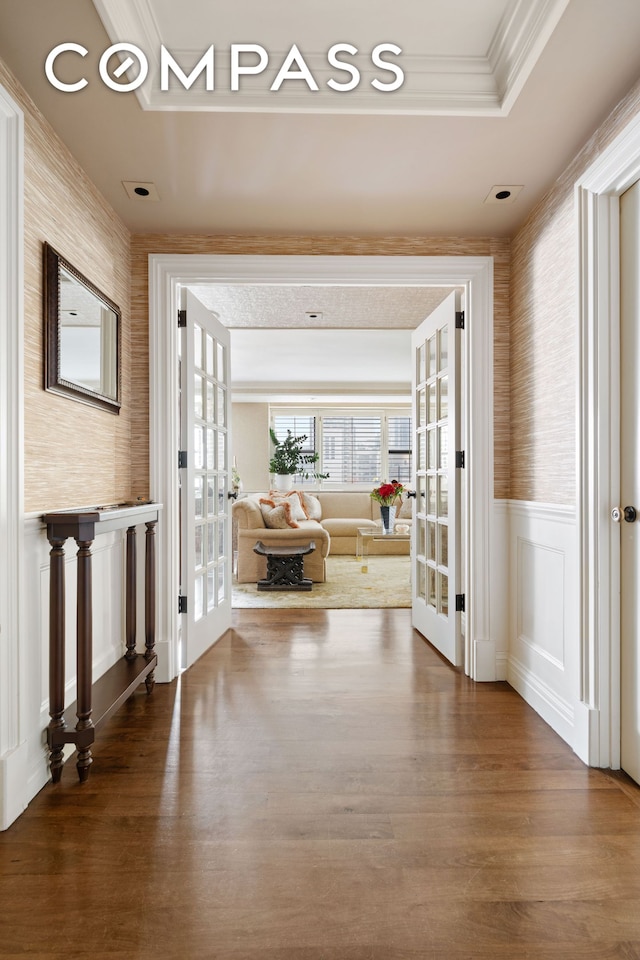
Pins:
x: 82, y: 336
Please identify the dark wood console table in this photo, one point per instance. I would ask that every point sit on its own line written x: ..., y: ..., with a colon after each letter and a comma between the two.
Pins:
x: 95, y: 701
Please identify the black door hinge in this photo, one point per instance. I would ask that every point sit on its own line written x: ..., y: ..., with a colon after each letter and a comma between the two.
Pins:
x: 182, y: 604
x: 460, y: 459
x: 459, y: 319
x: 182, y: 318
x: 459, y: 602
x: 182, y: 459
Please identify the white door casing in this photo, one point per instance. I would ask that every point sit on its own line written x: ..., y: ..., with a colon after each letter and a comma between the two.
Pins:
x: 205, y: 482
x: 13, y: 668
x: 435, y: 555
x: 473, y: 275
x: 597, y: 714
x: 630, y: 480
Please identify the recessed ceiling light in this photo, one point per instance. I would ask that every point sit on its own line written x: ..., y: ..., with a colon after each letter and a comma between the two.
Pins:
x: 503, y: 193
x: 140, y: 190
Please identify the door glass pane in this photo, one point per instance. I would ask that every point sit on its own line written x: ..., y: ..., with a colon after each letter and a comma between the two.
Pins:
x: 210, y: 411
x: 443, y: 497
x: 431, y: 542
x: 211, y: 497
x: 421, y: 500
x: 197, y: 397
x: 198, y: 500
x: 443, y: 552
x: 221, y: 448
x: 221, y: 407
x: 211, y: 541
x: 209, y: 357
x: 443, y: 410
x: 197, y: 347
x: 421, y: 586
x: 222, y: 531
x: 444, y: 594
x: 222, y: 584
x: 222, y: 492
x: 444, y: 348
x: 421, y: 539
x: 211, y: 589
x: 198, y: 447
x: 421, y: 465
x: 432, y: 411
x: 431, y: 354
x: 220, y: 361
x: 199, y: 545
x: 431, y: 495
x: 422, y: 364
x: 443, y: 435
x: 211, y: 449
x: 422, y: 407
x: 431, y: 450
x: 431, y: 586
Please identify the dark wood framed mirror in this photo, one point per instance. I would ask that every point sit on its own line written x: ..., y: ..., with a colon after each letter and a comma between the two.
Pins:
x: 81, y: 336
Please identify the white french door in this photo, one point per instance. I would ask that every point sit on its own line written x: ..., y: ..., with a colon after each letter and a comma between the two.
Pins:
x: 205, y: 542
x: 436, y: 527
x: 630, y: 481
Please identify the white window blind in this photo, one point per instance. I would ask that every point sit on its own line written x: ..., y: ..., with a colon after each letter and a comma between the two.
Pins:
x: 399, y: 444
x: 300, y: 426
x: 351, y: 448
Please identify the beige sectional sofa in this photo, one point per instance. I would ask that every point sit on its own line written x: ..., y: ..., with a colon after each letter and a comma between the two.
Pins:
x: 335, y: 532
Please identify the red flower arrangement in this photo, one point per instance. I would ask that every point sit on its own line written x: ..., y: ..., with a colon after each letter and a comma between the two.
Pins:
x: 387, y: 494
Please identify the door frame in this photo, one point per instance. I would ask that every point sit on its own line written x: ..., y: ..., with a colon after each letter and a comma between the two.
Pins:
x: 597, y: 194
x: 473, y: 274
x: 13, y: 745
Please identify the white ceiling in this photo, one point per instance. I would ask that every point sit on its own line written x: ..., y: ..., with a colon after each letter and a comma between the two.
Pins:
x: 496, y: 92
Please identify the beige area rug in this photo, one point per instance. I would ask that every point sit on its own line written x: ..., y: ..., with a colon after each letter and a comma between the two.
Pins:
x: 387, y: 584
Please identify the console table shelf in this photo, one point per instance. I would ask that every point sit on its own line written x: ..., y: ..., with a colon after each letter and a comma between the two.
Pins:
x: 96, y: 702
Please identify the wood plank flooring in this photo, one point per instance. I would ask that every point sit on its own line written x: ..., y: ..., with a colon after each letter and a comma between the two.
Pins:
x: 322, y: 786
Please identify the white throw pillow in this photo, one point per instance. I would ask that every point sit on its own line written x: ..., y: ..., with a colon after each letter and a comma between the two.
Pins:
x: 312, y: 506
x: 406, y: 510
x: 293, y: 499
x: 276, y: 516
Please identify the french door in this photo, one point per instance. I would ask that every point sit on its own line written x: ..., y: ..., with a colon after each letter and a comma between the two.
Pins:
x: 436, y: 528
x: 630, y: 482
x: 205, y: 541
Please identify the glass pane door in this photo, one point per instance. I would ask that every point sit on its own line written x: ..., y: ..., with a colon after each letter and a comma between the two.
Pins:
x: 206, y: 528
x: 436, y: 523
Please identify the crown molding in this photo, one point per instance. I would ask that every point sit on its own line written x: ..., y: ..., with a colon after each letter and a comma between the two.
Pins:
x: 434, y: 85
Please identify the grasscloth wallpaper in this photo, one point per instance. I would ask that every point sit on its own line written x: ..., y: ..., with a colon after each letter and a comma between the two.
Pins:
x: 74, y: 454
x: 544, y: 357
x: 142, y: 246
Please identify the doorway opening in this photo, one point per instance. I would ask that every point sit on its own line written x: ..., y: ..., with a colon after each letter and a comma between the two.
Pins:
x: 473, y: 274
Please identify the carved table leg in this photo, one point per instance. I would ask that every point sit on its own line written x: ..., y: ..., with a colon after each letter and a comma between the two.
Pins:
x: 150, y: 599
x: 56, y: 656
x: 84, y: 649
x: 130, y: 598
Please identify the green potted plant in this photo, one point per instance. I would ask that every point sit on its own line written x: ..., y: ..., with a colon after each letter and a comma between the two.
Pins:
x: 288, y: 459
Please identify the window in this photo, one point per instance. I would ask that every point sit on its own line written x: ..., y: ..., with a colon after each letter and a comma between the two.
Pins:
x: 355, y: 446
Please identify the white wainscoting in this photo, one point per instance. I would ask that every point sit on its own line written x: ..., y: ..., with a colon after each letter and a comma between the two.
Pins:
x: 108, y: 633
x: 543, y: 662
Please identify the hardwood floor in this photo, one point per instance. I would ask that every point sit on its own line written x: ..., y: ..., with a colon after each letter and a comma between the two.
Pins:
x: 322, y: 786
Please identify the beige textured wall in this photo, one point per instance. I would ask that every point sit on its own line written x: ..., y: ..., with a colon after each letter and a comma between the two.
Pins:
x: 544, y: 331
x: 74, y: 454
x: 142, y: 246
x: 250, y: 444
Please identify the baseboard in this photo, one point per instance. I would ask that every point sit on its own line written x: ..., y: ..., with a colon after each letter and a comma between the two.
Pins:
x: 13, y: 793
x: 554, y: 710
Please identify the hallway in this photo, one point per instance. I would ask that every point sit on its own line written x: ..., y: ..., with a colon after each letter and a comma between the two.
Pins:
x: 321, y: 785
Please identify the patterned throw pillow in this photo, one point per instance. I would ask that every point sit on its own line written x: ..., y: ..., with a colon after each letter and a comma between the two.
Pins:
x: 293, y: 499
x: 276, y: 516
x: 406, y: 510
